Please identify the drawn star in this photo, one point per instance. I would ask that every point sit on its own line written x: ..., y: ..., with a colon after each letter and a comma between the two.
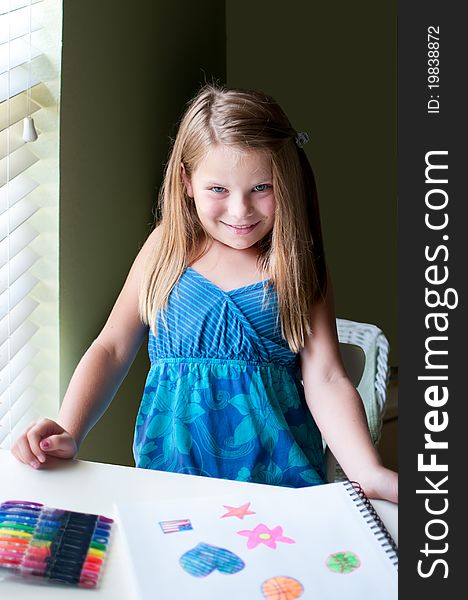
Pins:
x: 238, y: 511
x: 263, y: 535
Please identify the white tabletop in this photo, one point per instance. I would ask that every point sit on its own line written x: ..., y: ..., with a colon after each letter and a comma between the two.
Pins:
x: 94, y: 488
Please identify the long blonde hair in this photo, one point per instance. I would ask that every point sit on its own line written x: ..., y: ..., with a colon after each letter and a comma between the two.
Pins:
x: 292, y: 254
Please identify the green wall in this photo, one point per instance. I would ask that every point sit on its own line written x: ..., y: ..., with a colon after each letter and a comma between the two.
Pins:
x: 332, y: 67
x: 126, y: 74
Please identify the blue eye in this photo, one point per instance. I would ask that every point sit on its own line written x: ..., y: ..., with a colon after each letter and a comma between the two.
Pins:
x: 217, y: 189
x: 264, y: 187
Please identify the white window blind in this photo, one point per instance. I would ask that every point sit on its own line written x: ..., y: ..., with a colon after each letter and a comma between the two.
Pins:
x: 30, y: 50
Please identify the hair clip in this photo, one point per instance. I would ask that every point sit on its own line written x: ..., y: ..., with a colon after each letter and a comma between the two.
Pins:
x: 301, y: 139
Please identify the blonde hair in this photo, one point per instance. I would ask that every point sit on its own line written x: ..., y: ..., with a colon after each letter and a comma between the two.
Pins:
x: 292, y: 254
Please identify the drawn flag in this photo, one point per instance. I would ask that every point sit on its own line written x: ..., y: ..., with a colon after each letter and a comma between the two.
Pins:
x: 175, y: 526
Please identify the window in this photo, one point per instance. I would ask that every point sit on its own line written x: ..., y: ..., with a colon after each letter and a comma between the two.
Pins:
x: 30, y: 53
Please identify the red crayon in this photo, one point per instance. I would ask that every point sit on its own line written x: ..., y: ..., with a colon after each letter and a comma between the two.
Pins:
x: 90, y: 566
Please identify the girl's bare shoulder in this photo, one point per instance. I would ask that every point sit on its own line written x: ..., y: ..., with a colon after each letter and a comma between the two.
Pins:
x: 146, y: 251
x: 151, y: 241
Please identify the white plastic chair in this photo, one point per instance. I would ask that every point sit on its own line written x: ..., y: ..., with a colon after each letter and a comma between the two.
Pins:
x: 364, y: 351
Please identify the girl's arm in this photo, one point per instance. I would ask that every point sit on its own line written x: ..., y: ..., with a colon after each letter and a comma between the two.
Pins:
x: 338, y: 409
x: 95, y: 380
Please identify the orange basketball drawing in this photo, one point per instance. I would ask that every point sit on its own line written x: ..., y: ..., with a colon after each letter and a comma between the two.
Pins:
x: 282, y: 588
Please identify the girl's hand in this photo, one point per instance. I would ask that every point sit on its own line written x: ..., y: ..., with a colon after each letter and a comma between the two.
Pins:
x: 42, y: 439
x: 380, y: 483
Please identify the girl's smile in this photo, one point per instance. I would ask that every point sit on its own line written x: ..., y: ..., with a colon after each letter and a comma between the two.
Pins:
x: 233, y: 195
x: 242, y: 229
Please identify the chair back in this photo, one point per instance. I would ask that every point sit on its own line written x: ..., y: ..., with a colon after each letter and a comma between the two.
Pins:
x: 354, y: 360
x: 364, y: 351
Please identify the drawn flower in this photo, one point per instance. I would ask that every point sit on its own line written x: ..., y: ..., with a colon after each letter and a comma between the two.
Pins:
x: 263, y: 535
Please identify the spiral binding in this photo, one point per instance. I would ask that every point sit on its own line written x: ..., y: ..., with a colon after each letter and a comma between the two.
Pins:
x: 371, y: 517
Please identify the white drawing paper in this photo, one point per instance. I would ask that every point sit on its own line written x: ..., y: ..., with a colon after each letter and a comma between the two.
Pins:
x: 308, y: 543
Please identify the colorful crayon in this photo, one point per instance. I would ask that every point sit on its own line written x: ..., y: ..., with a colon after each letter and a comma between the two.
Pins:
x: 53, y: 544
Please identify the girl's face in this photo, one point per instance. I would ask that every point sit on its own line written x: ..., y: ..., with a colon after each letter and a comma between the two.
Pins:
x: 233, y: 195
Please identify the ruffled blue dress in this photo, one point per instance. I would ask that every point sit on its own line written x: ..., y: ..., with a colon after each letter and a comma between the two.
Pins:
x: 223, y: 397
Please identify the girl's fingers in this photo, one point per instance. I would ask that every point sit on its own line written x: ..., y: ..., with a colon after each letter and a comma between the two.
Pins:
x: 61, y: 445
x: 46, y: 437
x: 395, y: 492
x: 22, y: 450
x: 42, y: 429
x: 34, y: 436
x: 389, y: 487
x: 380, y: 483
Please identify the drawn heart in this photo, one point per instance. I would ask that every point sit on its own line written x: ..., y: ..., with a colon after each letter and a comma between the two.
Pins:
x: 205, y: 558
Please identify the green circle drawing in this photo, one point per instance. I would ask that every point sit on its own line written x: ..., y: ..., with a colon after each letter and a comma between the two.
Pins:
x: 343, y: 562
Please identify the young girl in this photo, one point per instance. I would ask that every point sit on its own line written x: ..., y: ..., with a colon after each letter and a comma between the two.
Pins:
x: 232, y: 284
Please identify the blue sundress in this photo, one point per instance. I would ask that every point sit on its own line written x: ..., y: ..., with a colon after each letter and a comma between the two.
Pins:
x: 223, y: 397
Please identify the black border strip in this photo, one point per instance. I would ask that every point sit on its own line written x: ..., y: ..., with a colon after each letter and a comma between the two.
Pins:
x: 429, y: 565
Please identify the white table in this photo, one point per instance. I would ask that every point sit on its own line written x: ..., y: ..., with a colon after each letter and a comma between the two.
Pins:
x: 94, y: 488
